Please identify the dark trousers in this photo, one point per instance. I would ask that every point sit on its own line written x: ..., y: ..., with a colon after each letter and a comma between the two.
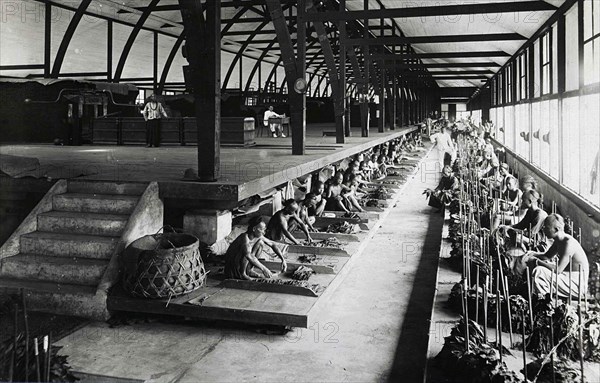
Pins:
x: 153, y: 132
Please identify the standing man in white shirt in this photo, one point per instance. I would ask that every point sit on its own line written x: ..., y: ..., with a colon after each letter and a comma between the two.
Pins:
x: 275, y: 128
x: 153, y: 112
x: 445, y: 146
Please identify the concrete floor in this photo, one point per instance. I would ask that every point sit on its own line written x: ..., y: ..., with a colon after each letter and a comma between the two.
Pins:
x: 374, y: 327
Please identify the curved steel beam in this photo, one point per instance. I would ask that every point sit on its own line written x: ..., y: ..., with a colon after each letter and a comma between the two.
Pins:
x: 132, y: 36
x: 66, y: 40
x: 262, y: 56
x: 244, y: 45
x: 169, y: 62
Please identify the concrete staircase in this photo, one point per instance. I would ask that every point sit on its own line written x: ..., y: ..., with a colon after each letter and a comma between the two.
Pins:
x: 62, y: 262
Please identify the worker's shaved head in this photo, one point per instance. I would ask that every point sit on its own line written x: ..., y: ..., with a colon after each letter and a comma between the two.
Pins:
x: 555, y: 220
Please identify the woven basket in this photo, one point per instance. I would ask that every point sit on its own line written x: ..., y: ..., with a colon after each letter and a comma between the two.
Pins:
x: 163, y: 266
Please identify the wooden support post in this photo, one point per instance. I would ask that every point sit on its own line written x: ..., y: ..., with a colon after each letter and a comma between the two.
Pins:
x: 340, y: 131
x: 394, y: 100
x: 203, y: 76
x: 382, y: 87
x: 298, y: 100
x: 365, y: 103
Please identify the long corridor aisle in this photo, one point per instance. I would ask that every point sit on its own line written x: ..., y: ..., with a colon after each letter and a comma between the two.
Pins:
x: 373, y: 327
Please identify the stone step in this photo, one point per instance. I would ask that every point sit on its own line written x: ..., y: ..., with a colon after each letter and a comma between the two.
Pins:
x: 99, y: 187
x: 82, y: 223
x: 95, y: 203
x: 68, y: 245
x: 59, y: 298
x: 67, y: 270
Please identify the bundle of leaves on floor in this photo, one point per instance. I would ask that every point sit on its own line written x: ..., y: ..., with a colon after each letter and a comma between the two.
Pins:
x: 560, y: 371
x: 331, y: 242
x: 302, y: 273
x: 370, y: 202
x: 343, y: 228
x: 60, y: 371
x: 565, y: 323
x: 480, y: 364
x: 380, y: 192
x: 518, y: 307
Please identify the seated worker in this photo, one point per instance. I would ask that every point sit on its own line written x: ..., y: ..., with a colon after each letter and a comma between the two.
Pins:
x: 533, y: 220
x: 508, y: 204
x: 447, y: 182
x: 282, y: 223
x: 335, y: 191
x: 320, y: 200
x: 365, y: 171
x: 241, y: 258
x: 350, y: 196
x: 305, y: 208
x: 568, y: 250
x: 274, y: 127
x: 489, y: 165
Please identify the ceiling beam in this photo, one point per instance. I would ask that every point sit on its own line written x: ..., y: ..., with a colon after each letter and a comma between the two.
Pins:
x: 401, y: 40
x: 462, y: 72
x: 444, y: 10
x: 439, y: 55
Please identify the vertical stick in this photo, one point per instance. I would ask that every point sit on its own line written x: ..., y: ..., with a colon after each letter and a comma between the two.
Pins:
x: 524, y: 352
x: 13, y: 355
x: 500, y: 265
x: 45, y: 358
x: 477, y: 295
x: 570, y: 279
x: 556, y: 281
x: 508, y: 308
x: 466, y: 316
x: 529, y: 297
x: 26, y: 335
x: 49, y: 355
x: 499, y: 307
x: 37, y: 358
x: 581, y: 351
x: 485, y: 308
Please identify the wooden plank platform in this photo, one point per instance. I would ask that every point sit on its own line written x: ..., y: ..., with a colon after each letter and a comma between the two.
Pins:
x: 245, y: 171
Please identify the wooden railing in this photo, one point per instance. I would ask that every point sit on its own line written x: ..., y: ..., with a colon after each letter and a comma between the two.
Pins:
x: 181, y: 130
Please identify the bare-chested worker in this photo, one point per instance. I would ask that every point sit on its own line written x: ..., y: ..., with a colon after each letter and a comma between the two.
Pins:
x: 241, y: 258
x: 279, y: 225
x: 568, y: 250
x: 305, y: 208
x: 320, y: 199
x: 335, y: 198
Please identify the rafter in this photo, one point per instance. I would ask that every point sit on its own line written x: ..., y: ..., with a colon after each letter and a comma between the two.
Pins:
x: 443, y: 10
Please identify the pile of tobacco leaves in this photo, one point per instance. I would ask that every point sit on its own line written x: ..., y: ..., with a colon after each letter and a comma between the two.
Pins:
x: 343, y: 228
x: 565, y: 323
x: 370, y: 202
x: 308, y: 258
x: 381, y: 192
x: 331, y: 242
x: 480, y: 364
x: 559, y: 371
x: 60, y: 370
x: 302, y: 273
x: 519, y: 307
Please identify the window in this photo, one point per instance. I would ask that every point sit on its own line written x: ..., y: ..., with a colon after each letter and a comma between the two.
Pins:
x: 571, y: 50
x: 591, y: 42
x: 523, y: 75
x: 570, y: 139
x: 522, y: 129
x: 509, y: 83
x: 546, y: 62
x: 501, y: 88
x: 141, y: 97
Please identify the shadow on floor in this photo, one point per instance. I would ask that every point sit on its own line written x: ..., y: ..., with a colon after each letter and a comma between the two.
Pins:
x: 411, y: 351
